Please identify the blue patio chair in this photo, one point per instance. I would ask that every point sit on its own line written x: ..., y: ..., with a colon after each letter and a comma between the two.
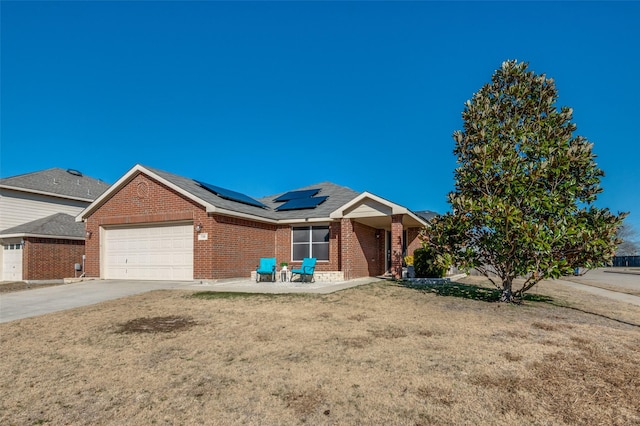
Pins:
x: 306, y: 270
x: 267, y: 267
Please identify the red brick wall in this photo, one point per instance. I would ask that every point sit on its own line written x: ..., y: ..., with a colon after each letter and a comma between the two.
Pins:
x: 347, y: 241
x: 368, y: 254
x: 238, y: 245
x: 335, y: 254
x: 49, y: 259
x: 233, y: 246
x: 396, y: 245
x: 362, y: 251
x: 142, y: 200
x: 413, y: 242
x: 283, y: 245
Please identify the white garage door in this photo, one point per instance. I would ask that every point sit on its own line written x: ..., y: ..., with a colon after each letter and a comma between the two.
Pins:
x: 149, y: 252
x: 12, y: 262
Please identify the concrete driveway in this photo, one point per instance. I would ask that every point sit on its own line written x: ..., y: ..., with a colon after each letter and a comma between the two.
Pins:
x: 40, y: 301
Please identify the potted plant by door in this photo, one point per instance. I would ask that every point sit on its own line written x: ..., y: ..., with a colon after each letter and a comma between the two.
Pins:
x: 411, y: 273
x: 284, y: 265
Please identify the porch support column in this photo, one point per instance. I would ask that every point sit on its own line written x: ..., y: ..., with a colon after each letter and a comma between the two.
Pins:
x: 346, y: 247
x: 396, y: 245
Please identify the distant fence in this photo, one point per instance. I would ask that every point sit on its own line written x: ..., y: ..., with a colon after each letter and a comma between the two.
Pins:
x: 626, y: 261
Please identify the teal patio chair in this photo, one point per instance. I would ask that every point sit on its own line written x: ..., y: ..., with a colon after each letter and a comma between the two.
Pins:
x: 267, y: 267
x: 306, y: 269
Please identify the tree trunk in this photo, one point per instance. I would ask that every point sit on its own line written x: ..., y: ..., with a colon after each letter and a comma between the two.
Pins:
x: 507, y: 293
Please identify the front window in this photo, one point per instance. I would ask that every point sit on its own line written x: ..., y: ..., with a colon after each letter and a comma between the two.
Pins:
x: 310, y: 241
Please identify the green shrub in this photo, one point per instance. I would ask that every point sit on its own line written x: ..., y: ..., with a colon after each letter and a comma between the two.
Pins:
x: 425, y: 265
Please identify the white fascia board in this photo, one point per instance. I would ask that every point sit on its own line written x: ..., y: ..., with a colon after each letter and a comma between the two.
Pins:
x: 126, y: 179
x: 225, y: 212
x: 306, y: 220
x: 233, y: 213
x: 48, y: 194
x: 26, y: 234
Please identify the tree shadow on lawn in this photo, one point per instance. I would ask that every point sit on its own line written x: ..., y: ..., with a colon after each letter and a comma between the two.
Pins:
x: 469, y: 291
x: 484, y: 294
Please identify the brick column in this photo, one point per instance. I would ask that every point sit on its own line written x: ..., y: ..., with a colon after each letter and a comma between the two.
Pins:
x: 396, y: 245
x: 346, y: 247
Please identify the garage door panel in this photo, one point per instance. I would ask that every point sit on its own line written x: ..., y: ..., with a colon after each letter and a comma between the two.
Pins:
x: 149, y: 253
x: 12, y: 262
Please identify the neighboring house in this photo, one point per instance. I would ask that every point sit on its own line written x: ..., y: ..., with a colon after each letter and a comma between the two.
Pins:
x: 156, y: 225
x: 39, y: 237
x: 427, y: 215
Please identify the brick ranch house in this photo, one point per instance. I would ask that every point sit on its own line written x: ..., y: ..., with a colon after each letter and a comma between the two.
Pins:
x: 39, y: 237
x: 155, y: 225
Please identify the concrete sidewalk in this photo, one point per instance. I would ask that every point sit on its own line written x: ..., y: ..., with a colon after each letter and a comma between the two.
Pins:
x: 30, y: 303
x: 621, y: 297
x: 626, y: 279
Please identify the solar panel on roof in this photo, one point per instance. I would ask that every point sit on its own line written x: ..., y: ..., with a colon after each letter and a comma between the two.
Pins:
x: 302, y: 203
x: 294, y: 195
x: 231, y: 195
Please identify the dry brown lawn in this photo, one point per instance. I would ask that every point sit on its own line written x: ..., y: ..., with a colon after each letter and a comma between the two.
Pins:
x: 377, y: 354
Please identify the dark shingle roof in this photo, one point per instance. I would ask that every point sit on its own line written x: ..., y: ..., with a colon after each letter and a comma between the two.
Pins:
x: 58, y: 182
x: 337, y: 196
x: 57, y: 225
x: 426, y: 214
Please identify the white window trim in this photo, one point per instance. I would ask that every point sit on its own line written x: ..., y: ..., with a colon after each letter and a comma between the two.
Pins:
x: 309, y: 243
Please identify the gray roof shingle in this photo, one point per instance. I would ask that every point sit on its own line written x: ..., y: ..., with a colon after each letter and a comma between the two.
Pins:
x: 426, y: 214
x: 58, y: 225
x: 337, y: 196
x: 59, y: 182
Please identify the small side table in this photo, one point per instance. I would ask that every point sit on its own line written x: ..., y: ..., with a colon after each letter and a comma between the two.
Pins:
x: 284, y: 275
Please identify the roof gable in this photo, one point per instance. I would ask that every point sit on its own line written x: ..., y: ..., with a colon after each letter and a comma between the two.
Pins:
x: 371, y: 205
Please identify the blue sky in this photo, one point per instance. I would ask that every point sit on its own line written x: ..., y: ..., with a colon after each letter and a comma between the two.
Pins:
x: 263, y: 97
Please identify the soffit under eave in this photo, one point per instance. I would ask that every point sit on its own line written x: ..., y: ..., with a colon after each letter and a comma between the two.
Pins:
x: 410, y: 221
x: 376, y: 212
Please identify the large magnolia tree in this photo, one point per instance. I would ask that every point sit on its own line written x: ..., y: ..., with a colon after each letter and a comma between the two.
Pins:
x: 524, y: 188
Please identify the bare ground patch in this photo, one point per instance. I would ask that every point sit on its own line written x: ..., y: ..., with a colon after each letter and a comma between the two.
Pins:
x: 377, y: 354
x: 162, y: 324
